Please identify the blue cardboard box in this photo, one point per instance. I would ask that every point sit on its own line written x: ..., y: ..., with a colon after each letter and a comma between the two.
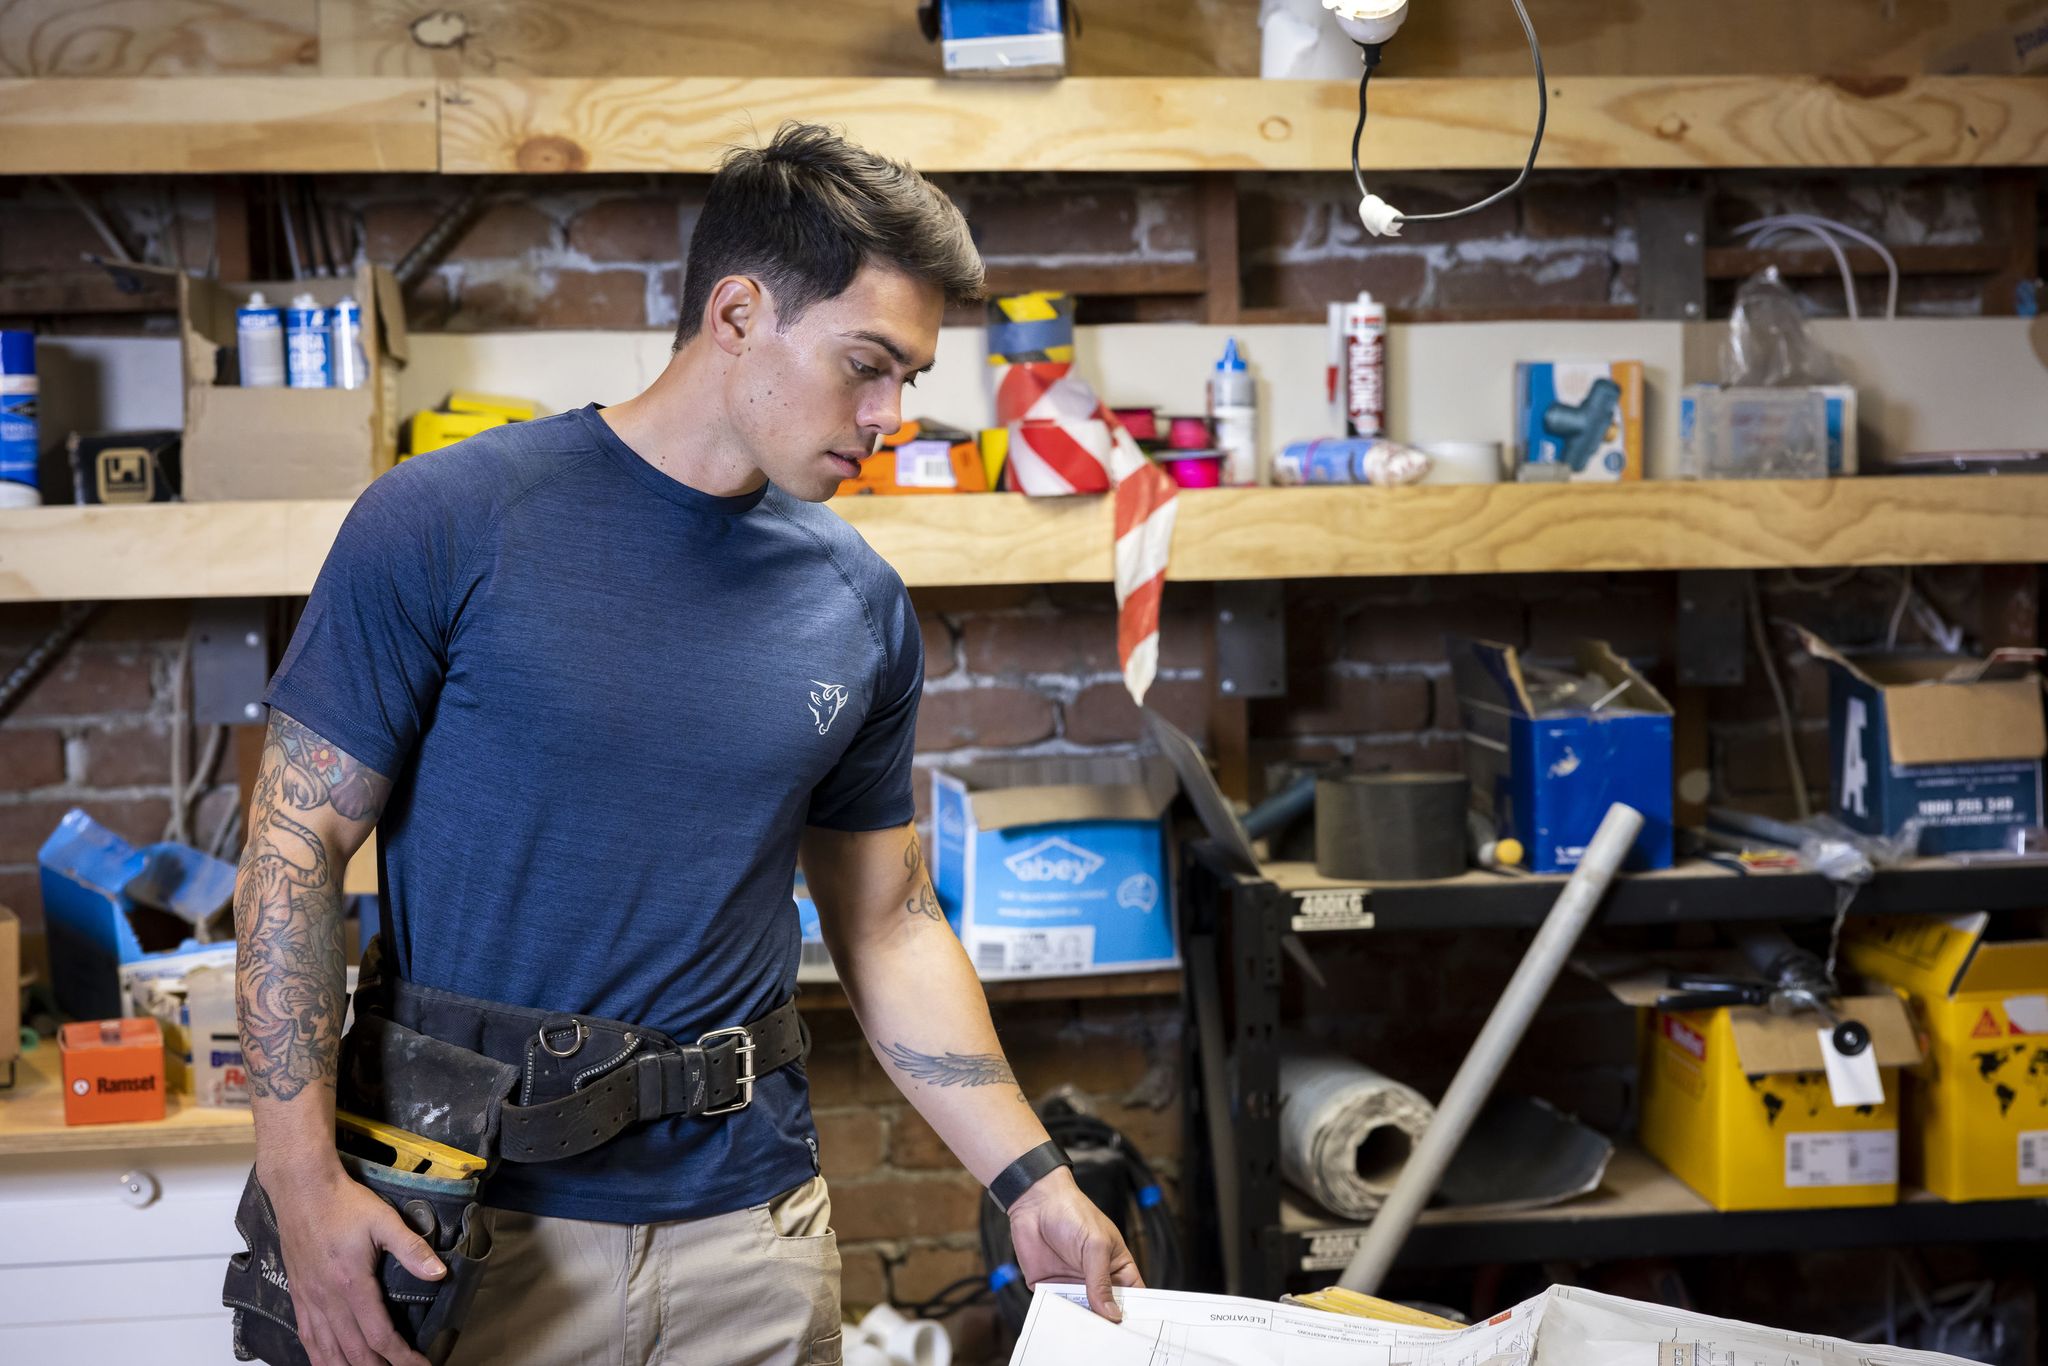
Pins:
x: 814, y: 961
x: 1581, y: 419
x: 107, y: 903
x: 1950, y: 741
x: 1544, y: 774
x: 1057, y: 867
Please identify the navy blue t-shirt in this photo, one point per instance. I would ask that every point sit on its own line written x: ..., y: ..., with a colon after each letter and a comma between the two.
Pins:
x: 609, y: 704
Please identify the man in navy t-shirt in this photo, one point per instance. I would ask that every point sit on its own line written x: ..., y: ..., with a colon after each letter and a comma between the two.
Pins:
x: 599, y: 681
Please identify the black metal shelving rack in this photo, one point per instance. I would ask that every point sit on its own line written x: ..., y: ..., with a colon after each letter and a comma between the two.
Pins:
x: 1233, y: 945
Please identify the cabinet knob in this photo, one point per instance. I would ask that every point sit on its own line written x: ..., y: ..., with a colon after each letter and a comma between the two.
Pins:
x: 139, y: 1188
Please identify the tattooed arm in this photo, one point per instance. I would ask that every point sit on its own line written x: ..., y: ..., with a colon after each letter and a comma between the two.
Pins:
x: 924, y: 1013
x: 313, y: 807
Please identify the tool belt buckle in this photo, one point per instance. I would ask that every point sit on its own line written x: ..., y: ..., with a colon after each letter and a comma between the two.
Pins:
x: 745, y: 1052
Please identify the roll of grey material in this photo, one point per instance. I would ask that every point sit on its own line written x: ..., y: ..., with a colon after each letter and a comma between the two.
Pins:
x: 1345, y: 1131
x: 1391, y: 827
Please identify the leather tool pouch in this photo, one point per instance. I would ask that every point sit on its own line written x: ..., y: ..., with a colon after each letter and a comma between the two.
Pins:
x: 433, y: 1089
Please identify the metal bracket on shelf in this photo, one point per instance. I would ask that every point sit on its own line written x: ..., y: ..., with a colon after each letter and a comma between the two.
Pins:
x: 230, y: 640
x: 1713, y: 606
x: 1251, y: 640
x: 1671, y: 254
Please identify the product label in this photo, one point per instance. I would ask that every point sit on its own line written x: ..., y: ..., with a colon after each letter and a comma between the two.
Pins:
x: 2034, y: 1158
x: 1850, y: 1158
x: 1050, y: 952
x: 924, y: 465
x: 1365, y: 380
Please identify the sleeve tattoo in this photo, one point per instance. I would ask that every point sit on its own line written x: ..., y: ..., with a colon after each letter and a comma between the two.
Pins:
x: 922, y: 900
x: 289, y: 968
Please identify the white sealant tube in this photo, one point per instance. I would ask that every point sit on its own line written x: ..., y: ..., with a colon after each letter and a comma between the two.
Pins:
x: 1490, y: 1051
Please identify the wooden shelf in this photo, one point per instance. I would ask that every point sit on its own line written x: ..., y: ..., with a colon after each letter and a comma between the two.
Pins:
x: 561, y: 125
x: 32, y: 1118
x: 274, y: 549
x: 244, y: 124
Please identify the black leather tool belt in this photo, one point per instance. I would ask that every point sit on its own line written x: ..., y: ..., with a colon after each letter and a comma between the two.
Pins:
x: 503, y: 1082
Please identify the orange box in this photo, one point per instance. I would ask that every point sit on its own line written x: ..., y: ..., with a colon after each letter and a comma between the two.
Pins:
x: 113, y: 1071
x: 922, y: 457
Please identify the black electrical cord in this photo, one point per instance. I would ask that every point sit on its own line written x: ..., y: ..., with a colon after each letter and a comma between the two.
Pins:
x: 1086, y: 1138
x: 1371, y: 53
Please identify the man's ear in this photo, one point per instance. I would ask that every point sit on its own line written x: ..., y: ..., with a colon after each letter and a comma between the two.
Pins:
x: 736, y: 313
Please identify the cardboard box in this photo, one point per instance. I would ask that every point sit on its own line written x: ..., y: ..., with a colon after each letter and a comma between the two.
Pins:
x: 113, y: 1071
x: 287, y: 443
x: 10, y: 989
x: 1976, y: 1111
x: 1736, y: 1103
x: 1951, y: 741
x: 1057, y: 867
x: 1586, y: 417
x: 107, y: 904
x: 2018, y: 47
x: 1547, y: 776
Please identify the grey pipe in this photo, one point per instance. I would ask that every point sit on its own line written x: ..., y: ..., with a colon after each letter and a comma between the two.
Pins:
x: 1497, y: 1041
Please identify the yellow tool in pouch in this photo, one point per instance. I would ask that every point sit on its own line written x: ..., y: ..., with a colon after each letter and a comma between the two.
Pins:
x: 412, y: 1153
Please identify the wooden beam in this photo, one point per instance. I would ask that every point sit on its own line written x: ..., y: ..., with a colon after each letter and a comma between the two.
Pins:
x: 274, y: 549
x: 121, y: 38
x: 1119, y: 278
x: 88, y: 290
x: 1219, y: 248
x: 232, y: 124
x: 634, y: 124
x: 1805, y: 261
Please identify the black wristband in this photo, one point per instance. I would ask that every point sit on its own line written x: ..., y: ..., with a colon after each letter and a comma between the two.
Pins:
x: 1027, y: 1171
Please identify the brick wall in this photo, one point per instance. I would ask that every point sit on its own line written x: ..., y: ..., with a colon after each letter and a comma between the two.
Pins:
x: 606, y: 251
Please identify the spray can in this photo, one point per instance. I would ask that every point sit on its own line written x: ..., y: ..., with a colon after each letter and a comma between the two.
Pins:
x: 1233, y: 408
x: 345, y: 345
x: 259, y: 342
x: 1365, y: 366
x: 306, y: 362
x: 18, y: 444
x: 1330, y: 460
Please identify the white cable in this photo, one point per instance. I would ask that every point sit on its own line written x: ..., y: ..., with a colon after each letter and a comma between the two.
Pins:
x: 1768, y: 228
x: 1891, y: 635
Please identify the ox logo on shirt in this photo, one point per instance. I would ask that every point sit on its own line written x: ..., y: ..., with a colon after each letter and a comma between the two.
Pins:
x: 826, y: 702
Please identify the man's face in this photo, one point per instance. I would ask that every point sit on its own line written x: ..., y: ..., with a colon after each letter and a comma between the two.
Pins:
x: 810, y: 401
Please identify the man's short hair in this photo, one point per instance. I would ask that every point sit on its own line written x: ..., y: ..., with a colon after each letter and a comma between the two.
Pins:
x: 804, y: 214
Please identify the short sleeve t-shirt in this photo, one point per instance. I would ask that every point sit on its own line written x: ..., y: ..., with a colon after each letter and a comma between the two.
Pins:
x: 609, y: 704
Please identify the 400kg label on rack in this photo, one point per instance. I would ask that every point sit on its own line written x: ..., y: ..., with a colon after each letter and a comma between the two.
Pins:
x: 1331, y: 1251
x: 1333, y: 910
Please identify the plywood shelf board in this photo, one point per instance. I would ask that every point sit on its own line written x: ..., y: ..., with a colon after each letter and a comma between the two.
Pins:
x: 274, y: 549
x: 32, y: 1117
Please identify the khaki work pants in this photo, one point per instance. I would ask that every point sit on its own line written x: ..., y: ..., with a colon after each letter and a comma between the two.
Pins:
x: 756, y: 1287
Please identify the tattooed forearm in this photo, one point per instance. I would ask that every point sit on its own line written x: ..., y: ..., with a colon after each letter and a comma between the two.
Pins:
x: 922, y: 900
x: 948, y: 1069
x: 289, y: 969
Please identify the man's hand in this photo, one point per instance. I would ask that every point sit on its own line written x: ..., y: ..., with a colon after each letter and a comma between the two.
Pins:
x: 332, y: 1230
x: 1059, y: 1235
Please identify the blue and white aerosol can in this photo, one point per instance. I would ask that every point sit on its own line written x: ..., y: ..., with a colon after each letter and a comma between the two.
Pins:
x: 18, y: 445
x: 306, y: 362
x: 345, y: 345
x: 259, y: 342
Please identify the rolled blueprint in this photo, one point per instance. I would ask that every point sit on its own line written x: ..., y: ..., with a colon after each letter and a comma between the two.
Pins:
x: 1345, y: 1131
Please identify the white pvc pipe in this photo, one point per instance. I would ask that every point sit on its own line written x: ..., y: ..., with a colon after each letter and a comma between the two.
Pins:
x: 1490, y: 1051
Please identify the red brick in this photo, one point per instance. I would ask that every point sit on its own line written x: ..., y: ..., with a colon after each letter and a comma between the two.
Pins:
x: 863, y: 1279
x: 966, y: 601
x: 992, y: 717
x: 849, y: 1142
x: 90, y: 681
x: 1397, y: 278
x: 1027, y: 219
x: 927, y: 1206
x: 1412, y: 754
x: 148, y: 621
x: 628, y: 230
x: 1413, y: 633
x: 938, y: 645
x: 1350, y: 705
x: 1554, y: 208
x: 1559, y: 280
x: 1283, y: 213
x: 845, y: 1074
x: 1103, y: 713
x: 914, y: 1144
x: 392, y: 229
x: 1066, y: 643
x: 1639, y: 625
x: 30, y: 758
x: 45, y: 239
x: 130, y: 755
x: 1754, y: 763
x: 429, y: 305
x: 23, y: 624
x: 925, y: 1271
x: 25, y: 825
x: 1155, y: 1133
x: 555, y: 298
x: 21, y: 892
x: 1096, y: 1061
x: 503, y: 231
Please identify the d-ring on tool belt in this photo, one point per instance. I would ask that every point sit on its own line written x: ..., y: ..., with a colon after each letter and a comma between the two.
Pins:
x: 424, y: 1072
